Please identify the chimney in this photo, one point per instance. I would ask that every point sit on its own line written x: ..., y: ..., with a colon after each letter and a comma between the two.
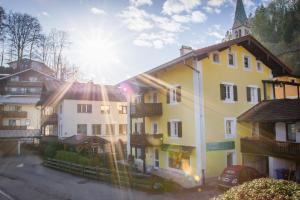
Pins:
x: 185, y: 49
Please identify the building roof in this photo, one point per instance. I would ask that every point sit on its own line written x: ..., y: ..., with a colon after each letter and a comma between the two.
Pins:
x: 83, y: 139
x: 26, y: 70
x: 240, y: 17
x: 26, y: 63
x: 248, y: 42
x: 54, y: 91
x: 279, y: 110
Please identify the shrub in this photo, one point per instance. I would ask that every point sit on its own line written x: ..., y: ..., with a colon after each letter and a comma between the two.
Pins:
x: 263, y: 189
x: 51, y: 148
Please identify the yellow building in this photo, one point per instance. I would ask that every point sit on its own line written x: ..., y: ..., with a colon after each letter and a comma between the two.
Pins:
x: 183, y: 113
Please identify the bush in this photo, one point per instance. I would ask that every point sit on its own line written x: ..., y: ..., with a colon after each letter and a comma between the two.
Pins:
x: 51, y: 148
x: 263, y: 189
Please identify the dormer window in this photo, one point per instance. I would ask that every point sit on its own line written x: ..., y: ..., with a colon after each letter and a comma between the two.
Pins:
x: 216, y: 58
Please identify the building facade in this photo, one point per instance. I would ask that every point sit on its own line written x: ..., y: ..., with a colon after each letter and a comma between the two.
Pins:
x: 84, y: 108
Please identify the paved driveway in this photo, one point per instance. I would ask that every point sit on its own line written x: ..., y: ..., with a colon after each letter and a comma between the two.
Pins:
x: 24, y: 178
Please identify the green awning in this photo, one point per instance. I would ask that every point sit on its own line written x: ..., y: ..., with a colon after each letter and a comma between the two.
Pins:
x: 214, y: 146
x: 178, y: 148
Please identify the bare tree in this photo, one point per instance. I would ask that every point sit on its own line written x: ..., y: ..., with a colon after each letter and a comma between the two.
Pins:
x: 34, y: 36
x: 2, y: 36
x: 21, y: 30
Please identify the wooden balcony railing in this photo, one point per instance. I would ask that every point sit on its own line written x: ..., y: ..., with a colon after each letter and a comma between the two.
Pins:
x: 268, y: 147
x: 14, y: 114
x: 49, y: 119
x: 13, y: 127
x: 146, y: 139
x: 146, y: 109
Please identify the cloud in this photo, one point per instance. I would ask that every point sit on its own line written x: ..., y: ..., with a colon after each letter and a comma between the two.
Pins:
x: 97, y: 11
x: 212, y: 10
x: 198, y: 17
x: 215, y: 3
x: 156, y: 40
x: 44, y: 13
x: 177, y: 6
x: 167, y: 24
x: 138, y: 3
x: 136, y: 19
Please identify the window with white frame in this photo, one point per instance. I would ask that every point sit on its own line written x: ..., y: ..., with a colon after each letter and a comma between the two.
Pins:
x: 216, y: 57
x: 247, y: 64
x: 105, y: 109
x: 253, y: 94
x: 228, y: 92
x: 81, y: 129
x: 154, y: 128
x: 231, y: 59
x: 122, y: 109
x: 259, y: 66
x: 230, y: 127
x: 175, y: 128
x: 84, y: 108
x: 174, y: 95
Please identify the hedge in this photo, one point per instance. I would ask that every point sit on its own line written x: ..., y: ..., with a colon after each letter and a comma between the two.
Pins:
x: 263, y: 189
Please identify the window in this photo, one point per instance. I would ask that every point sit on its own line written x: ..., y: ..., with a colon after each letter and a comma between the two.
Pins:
x: 246, y: 62
x: 96, y: 129
x: 122, y: 109
x: 174, y: 95
x: 229, y: 159
x: 105, y: 109
x: 138, y: 128
x: 14, y: 78
x: 228, y: 92
x: 216, y: 58
x: 84, y: 108
x: 253, y: 94
x: 175, y: 128
x: 122, y: 129
x: 154, y: 128
x: 82, y: 129
x: 156, y: 158
x: 15, y: 108
x: 110, y: 129
x: 291, y: 132
x: 12, y: 122
x: 231, y: 60
x: 258, y: 66
x: 137, y: 99
x: 154, y: 98
x: 33, y: 79
x: 27, y: 122
x: 230, y: 127
x: 179, y: 160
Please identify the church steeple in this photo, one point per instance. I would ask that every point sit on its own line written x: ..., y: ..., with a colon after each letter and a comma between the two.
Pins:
x: 240, y: 25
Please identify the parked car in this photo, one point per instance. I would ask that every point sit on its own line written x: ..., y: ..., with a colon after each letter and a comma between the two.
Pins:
x: 237, y: 174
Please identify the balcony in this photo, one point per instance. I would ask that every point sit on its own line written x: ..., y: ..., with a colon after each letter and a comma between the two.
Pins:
x: 268, y: 147
x: 146, y: 139
x: 13, y: 127
x: 13, y: 114
x: 146, y: 109
x: 49, y: 119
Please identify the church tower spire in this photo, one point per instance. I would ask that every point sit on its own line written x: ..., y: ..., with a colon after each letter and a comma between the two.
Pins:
x: 241, y: 24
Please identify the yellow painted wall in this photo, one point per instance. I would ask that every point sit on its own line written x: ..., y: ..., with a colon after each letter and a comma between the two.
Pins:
x: 215, y: 110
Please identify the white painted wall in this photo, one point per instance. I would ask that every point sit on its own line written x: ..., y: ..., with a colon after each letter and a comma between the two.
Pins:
x: 33, y: 115
x: 280, y: 130
x: 278, y: 163
x: 69, y: 118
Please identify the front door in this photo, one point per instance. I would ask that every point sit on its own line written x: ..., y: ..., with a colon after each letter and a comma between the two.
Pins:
x: 156, y: 158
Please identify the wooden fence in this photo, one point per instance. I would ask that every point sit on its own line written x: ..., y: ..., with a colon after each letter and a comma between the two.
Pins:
x: 120, y: 177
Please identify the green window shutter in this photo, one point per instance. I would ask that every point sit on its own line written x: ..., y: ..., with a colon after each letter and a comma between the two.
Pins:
x: 258, y: 94
x: 168, y: 96
x: 180, y: 129
x: 248, y: 94
x: 178, y: 93
x: 169, y: 129
x: 222, y: 92
x: 235, y: 94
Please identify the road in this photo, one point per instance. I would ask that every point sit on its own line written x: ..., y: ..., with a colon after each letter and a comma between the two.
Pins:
x: 24, y: 178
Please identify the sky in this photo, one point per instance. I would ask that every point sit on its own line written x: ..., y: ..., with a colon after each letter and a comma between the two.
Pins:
x: 112, y: 40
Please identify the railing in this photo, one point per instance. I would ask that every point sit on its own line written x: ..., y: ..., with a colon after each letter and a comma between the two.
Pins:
x: 146, y: 139
x: 268, y: 147
x: 25, y: 83
x: 49, y: 119
x: 13, y: 127
x: 146, y: 109
x: 17, y: 114
x: 121, y: 177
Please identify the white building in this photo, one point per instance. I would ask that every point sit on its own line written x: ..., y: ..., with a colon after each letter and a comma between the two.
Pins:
x: 83, y: 108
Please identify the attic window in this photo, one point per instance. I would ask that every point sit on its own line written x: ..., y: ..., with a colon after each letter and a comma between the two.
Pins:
x: 216, y: 58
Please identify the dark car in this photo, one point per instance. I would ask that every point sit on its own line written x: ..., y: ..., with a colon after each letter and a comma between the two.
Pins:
x: 237, y: 174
